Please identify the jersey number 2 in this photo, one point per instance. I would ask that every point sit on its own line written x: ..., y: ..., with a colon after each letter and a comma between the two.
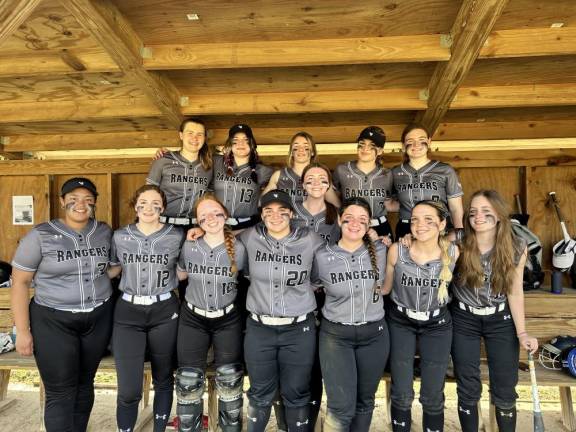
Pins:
x: 295, y: 277
x: 162, y: 278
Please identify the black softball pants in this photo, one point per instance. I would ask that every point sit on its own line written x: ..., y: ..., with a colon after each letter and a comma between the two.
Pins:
x: 141, y: 329
x: 196, y: 333
x: 353, y: 360
x: 499, y: 334
x: 434, y: 338
x: 68, y: 348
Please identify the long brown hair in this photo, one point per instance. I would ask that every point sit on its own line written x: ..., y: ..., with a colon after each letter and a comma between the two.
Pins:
x: 205, y: 155
x: 307, y: 137
x: 409, y: 128
x: 504, y: 254
x: 253, y: 159
x: 229, y: 238
x: 331, y: 213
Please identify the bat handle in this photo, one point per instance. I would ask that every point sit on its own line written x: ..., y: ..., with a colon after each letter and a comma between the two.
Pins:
x: 518, y: 203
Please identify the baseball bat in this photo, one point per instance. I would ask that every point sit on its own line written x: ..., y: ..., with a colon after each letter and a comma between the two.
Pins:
x: 538, y: 420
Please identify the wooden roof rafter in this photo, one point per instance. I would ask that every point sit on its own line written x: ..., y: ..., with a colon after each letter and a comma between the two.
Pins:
x: 13, y: 13
x: 103, y: 20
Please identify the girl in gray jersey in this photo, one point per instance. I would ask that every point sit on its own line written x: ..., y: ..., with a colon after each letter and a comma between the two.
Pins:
x: 367, y: 178
x: 146, y: 314
x: 239, y: 177
x: 418, y: 279
x: 280, y: 337
x: 68, y: 322
x: 418, y: 178
x: 354, y: 340
x: 209, y: 317
x: 489, y: 305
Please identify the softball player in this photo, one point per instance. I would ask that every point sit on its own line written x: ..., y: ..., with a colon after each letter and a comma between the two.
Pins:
x: 354, y: 340
x: 184, y: 175
x: 209, y: 317
x: 280, y: 337
x: 419, y: 278
x: 239, y: 177
x: 418, y: 178
x: 146, y: 314
x: 68, y: 322
x: 489, y: 304
x: 366, y: 178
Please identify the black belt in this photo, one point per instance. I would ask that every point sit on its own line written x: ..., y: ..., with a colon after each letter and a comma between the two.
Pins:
x: 178, y: 220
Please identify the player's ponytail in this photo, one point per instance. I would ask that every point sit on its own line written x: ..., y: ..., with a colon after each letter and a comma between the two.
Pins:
x: 445, y: 272
x: 373, y: 260
x: 229, y: 242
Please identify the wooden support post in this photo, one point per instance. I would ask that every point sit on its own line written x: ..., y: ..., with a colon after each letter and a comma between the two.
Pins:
x: 212, y: 405
x: 567, y: 408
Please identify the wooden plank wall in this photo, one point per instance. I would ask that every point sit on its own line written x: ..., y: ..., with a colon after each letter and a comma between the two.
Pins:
x: 531, y: 174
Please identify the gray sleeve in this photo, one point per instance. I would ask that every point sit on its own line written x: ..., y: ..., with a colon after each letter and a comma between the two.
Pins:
x: 182, y: 258
x: 155, y: 175
x: 29, y: 252
x: 241, y: 257
x: 336, y: 179
x: 381, y: 259
x: 264, y: 174
x: 453, y: 186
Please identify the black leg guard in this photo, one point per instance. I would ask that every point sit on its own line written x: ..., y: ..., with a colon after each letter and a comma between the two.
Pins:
x: 361, y: 422
x: 401, y: 420
x: 229, y: 379
x: 506, y: 419
x: 189, y: 408
x: 257, y: 418
x: 298, y: 419
x: 280, y: 413
x: 433, y: 422
x: 468, y: 415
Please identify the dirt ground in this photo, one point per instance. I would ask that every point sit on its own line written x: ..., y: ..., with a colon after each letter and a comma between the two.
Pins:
x: 24, y: 414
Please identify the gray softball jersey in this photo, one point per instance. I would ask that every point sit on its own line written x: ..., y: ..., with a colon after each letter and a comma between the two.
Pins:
x: 416, y: 286
x: 181, y: 180
x: 238, y: 192
x: 291, y: 183
x: 211, y: 283
x: 280, y: 271
x: 69, y: 266
x: 483, y: 296
x: 435, y: 181
x: 148, y: 261
x: 348, y: 280
x: 316, y: 223
x: 375, y: 187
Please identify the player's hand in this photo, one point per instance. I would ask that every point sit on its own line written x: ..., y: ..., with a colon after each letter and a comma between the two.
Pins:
x: 529, y: 343
x: 160, y: 153
x: 194, y: 234
x: 406, y: 241
x: 372, y: 234
x: 24, y: 344
x: 386, y: 240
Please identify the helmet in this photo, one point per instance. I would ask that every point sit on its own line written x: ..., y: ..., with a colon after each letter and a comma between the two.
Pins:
x: 563, y: 255
x: 6, y: 343
x: 553, y: 351
x: 5, y: 272
x: 569, y: 361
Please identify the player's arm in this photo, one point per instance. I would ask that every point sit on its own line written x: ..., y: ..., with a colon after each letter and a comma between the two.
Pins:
x: 20, y: 300
x: 392, y: 205
x: 390, y: 264
x: 516, y: 303
x: 272, y: 183
x: 114, y: 270
x: 332, y: 197
x: 456, y: 211
x: 182, y: 275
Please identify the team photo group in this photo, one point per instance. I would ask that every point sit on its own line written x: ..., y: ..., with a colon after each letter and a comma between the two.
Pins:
x: 293, y: 277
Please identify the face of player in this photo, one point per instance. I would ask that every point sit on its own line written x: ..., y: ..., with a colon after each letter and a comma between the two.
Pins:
x: 211, y: 216
x: 193, y: 137
x: 316, y: 182
x: 425, y: 223
x: 276, y: 217
x: 483, y: 217
x: 79, y: 205
x: 367, y: 151
x: 240, y: 145
x: 149, y: 206
x: 416, y: 143
x: 354, y: 223
x: 301, y: 150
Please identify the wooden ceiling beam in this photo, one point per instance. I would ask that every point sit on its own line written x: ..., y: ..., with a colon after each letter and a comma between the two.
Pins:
x: 469, y: 32
x: 13, y: 13
x: 103, y: 20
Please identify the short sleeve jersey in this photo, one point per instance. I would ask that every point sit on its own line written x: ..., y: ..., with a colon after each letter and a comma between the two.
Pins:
x: 181, y: 180
x: 436, y: 181
x: 317, y: 223
x: 280, y: 271
x: 291, y: 183
x: 416, y: 286
x: 484, y: 296
x: 211, y: 283
x: 148, y: 261
x: 69, y: 266
x: 375, y: 187
x: 238, y: 192
x: 349, y: 281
